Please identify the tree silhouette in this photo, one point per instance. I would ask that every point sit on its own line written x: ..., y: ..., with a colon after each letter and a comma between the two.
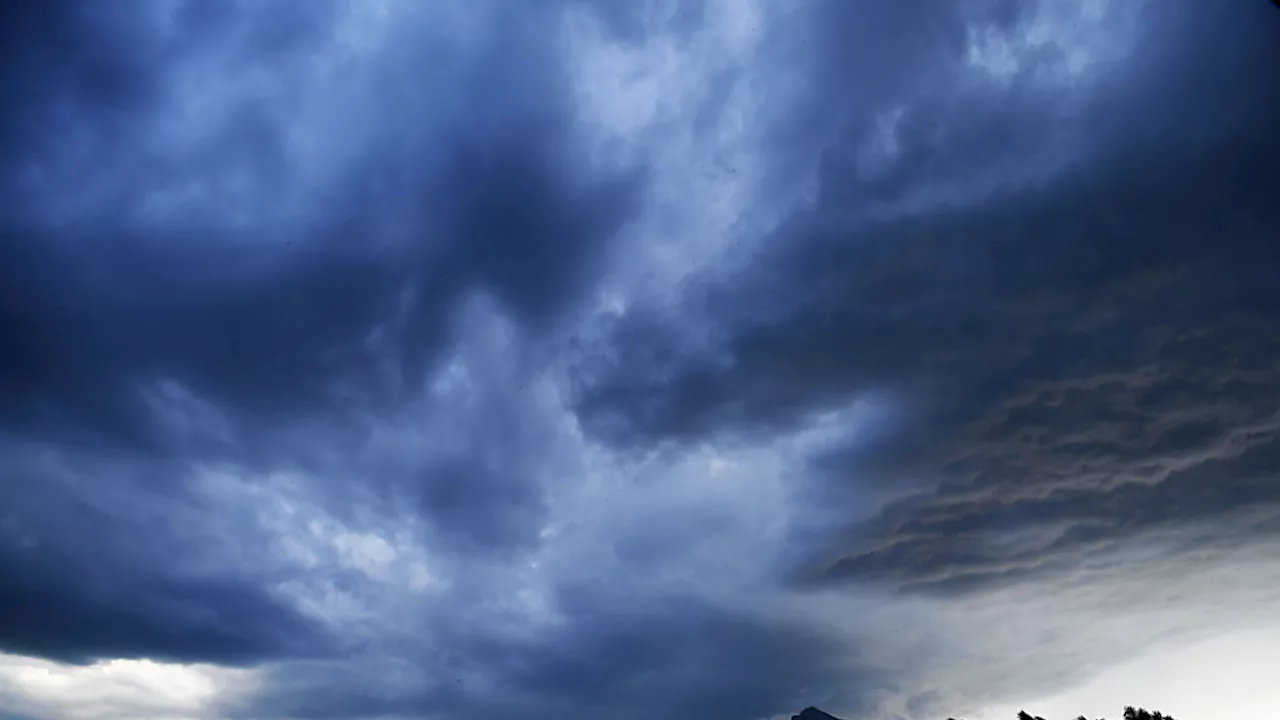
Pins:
x: 1130, y: 713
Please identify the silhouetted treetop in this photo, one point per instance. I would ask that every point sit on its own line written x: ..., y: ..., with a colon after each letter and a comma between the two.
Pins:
x: 1130, y: 713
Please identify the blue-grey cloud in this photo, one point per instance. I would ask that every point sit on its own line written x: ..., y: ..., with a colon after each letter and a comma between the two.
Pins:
x: 105, y: 321
x: 113, y: 573
x: 581, y: 357
x: 628, y: 659
x: 1087, y: 354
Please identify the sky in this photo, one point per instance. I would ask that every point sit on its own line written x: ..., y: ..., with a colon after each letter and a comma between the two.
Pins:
x: 634, y: 360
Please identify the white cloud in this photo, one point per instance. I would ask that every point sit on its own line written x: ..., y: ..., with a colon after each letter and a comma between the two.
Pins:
x: 115, y: 689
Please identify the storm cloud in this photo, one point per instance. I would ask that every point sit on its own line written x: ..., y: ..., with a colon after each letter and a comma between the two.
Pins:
x: 675, y: 359
x: 1083, y: 351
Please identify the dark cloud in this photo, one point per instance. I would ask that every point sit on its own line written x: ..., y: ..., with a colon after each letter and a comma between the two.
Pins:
x: 491, y: 506
x: 60, y: 614
x: 66, y: 66
x: 854, y: 80
x: 286, y: 293
x: 167, y: 342
x: 272, y: 333
x: 676, y: 657
x: 122, y: 571
x: 964, y: 291
x: 486, y: 491
x: 521, y: 232
x: 693, y: 661
x: 968, y: 538
x: 1082, y: 352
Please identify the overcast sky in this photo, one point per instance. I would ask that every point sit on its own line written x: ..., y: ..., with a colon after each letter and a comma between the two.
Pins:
x: 638, y: 360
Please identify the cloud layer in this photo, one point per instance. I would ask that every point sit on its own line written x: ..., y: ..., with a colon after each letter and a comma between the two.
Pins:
x: 389, y: 359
